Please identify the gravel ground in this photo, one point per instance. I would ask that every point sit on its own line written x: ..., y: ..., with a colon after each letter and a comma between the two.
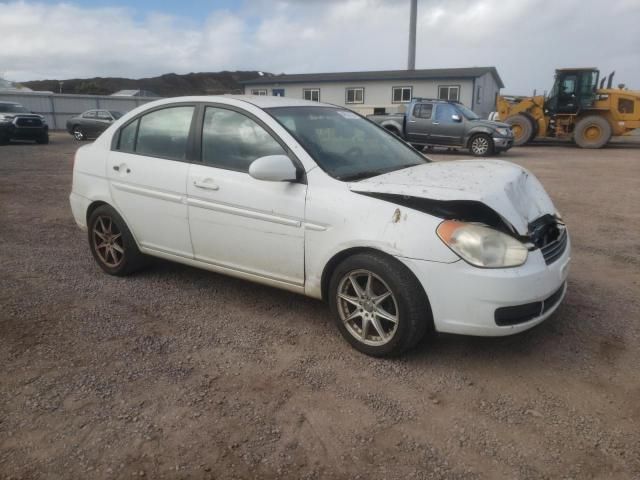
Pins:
x: 181, y: 373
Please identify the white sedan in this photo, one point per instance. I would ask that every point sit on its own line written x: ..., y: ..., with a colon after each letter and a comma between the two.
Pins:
x: 317, y: 200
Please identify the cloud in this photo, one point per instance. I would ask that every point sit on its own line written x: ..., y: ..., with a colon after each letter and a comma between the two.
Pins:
x: 525, y: 39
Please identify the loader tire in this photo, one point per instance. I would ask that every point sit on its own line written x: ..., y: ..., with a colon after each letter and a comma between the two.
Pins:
x: 593, y: 131
x: 522, y: 128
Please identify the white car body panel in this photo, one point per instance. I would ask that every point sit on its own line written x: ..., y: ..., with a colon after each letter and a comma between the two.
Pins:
x: 142, y: 199
x: 520, y: 200
x: 234, y: 203
x: 284, y: 234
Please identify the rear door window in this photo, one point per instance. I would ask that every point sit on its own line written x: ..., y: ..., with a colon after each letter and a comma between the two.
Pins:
x: 164, y: 133
x: 423, y: 110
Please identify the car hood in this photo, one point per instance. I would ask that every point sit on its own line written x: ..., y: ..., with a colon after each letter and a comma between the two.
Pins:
x: 508, y: 189
x: 489, y: 123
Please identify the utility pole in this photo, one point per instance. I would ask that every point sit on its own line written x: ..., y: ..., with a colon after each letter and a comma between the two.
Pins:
x: 411, y: 64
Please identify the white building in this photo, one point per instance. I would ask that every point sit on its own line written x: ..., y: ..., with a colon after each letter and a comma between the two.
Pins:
x: 386, y: 91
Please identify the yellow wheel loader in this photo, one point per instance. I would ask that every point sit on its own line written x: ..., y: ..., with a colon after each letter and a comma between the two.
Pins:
x: 575, y: 108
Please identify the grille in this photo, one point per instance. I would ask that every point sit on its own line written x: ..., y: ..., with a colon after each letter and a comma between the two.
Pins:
x: 554, y: 249
x: 550, y: 236
x: 28, y: 122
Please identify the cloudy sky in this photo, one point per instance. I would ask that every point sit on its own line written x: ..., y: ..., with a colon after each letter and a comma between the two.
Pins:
x: 524, y: 39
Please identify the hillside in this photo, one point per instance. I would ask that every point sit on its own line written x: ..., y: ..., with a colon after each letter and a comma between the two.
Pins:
x: 169, y: 85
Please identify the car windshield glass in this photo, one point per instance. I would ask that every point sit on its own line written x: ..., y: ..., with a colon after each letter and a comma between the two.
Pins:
x: 115, y: 115
x: 468, y: 114
x: 345, y: 145
x: 12, y: 108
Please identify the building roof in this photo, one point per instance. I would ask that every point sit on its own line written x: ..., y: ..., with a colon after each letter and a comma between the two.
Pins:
x: 134, y: 93
x: 400, y: 75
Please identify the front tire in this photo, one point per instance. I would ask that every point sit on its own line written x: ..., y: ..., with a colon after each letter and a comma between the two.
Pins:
x: 78, y: 133
x: 481, y: 145
x: 112, y: 245
x: 378, y: 304
x: 43, y: 140
x: 522, y: 128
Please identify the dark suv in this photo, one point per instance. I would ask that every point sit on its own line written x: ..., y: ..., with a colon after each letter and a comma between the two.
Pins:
x: 16, y: 122
x: 446, y: 123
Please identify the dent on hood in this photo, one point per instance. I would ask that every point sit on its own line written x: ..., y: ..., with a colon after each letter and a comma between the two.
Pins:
x: 462, y: 210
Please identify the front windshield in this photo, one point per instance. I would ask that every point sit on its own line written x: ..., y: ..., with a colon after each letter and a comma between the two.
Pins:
x: 345, y: 145
x: 469, y: 114
x: 12, y: 108
x: 115, y: 115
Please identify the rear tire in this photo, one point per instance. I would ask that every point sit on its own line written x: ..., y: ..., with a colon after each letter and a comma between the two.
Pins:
x: 481, y: 145
x: 112, y: 245
x: 522, y: 127
x: 593, y: 131
x: 393, y: 130
x: 360, y: 314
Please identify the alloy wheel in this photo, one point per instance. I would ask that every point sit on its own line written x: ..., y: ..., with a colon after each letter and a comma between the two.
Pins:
x: 107, y: 240
x: 78, y: 134
x: 367, y: 307
x: 480, y: 145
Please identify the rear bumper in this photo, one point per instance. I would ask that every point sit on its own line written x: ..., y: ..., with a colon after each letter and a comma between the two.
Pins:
x: 492, y: 302
x: 79, y: 206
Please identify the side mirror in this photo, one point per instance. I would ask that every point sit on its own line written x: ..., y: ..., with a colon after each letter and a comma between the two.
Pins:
x: 456, y: 118
x: 273, y: 168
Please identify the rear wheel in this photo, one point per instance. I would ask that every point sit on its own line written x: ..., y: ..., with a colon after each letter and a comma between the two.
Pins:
x: 593, y: 131
x: 393, y: 130
x: 112, y: 244
x: 481, y: 145
x: 79, y: 134
x: 522, y: 128
x: 378, y: 304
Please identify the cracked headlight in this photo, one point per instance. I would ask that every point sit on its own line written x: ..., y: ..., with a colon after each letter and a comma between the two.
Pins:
x: 482, y: 246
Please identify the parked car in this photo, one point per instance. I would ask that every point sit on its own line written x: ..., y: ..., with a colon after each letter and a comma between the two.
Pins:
x: 19, y: 123
x: 450, y: 124
x: 91, y: 123
x: 316, y: 199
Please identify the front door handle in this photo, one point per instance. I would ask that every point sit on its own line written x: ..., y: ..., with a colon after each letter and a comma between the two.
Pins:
x: 412, y: 121
x: 206, y: 184
x: 435, y: 123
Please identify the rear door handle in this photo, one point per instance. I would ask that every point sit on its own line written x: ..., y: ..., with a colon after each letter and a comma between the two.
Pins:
x: 117, y: 168
x: 435, y: 123
x: 206, y: 184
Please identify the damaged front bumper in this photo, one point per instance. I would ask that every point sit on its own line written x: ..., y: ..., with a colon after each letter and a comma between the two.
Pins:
x: 492, y: 302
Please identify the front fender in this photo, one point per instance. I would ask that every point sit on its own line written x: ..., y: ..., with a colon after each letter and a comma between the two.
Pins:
x: 476, y: 130
x: 341, y: 220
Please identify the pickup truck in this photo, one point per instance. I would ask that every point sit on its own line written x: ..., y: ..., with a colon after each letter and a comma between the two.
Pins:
x: 430, y: 122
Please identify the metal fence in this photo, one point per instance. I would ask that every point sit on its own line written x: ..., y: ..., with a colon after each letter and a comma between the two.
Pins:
x: 58, y: 108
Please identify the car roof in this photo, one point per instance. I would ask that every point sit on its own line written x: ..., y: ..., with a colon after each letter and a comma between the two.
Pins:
x: 260, y: 101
